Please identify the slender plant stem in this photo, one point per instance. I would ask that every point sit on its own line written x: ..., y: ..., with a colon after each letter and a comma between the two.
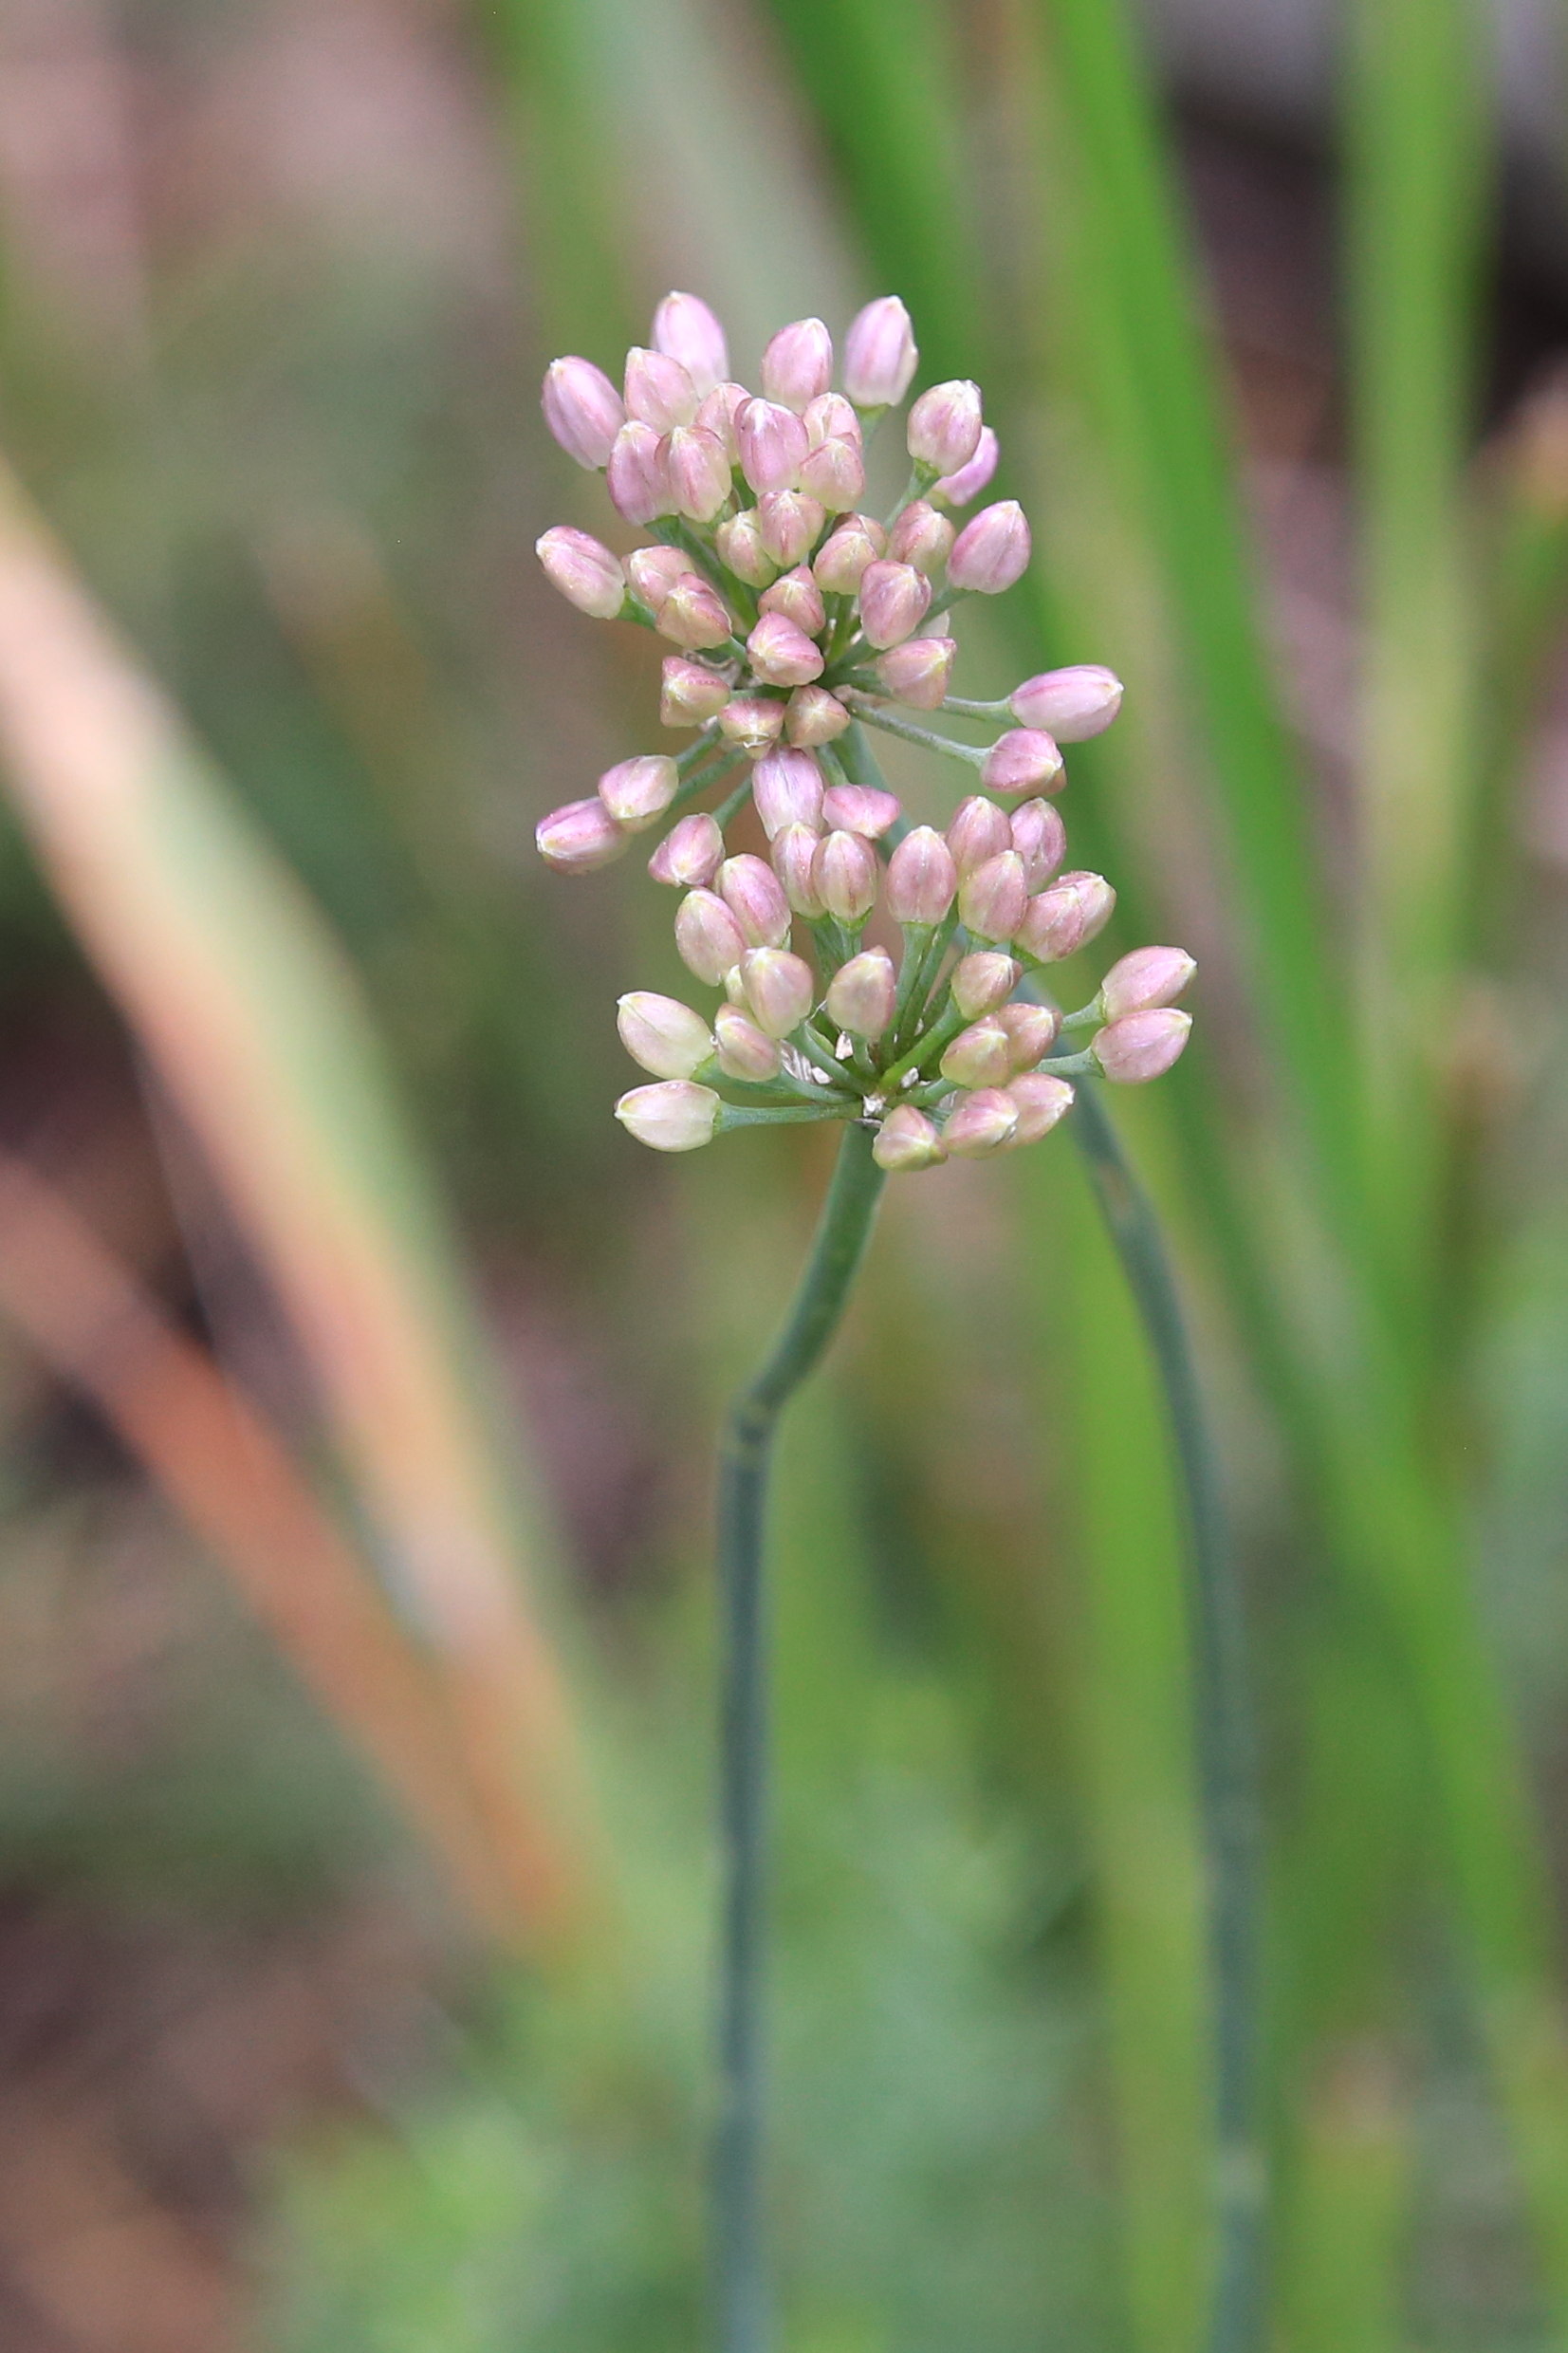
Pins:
x: 742, y: 2287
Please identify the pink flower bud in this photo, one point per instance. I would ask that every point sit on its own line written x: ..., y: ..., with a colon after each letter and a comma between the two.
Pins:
x: 980, y: 1055
x: 717, y: 413
x: 582, y: 409
x: 698, y: 473
x: 918, y: 672
x: 1074, y: 704
x: 894, y: 597
x: 662, y: 1034
x: 879, y: 354
x: 783, y: 654
x: 835, y: 474
x: 1141, y: 1046
x: 993, y: 551
x: 981, y: 1124
x: 637, y: 791
x: 840, y: 562
x: 1023, y: 760
x: 659, y: 392
x: 861, y: 994
x: 1061, y: 921
x: 943, y: 427
x: 1041, y: 1101
x: 787, y: 790
x: 798, y: 364
x: 977, y: 830
x: 708, y: 938
x: 672, y: 1117
x: 830, y: 417
x: 1040, y: 840
x: 637, y: 479
x: 798, y: 596
x: 653, y: 572
x: 584, y: 569
x: 686, y: 329
x: 1032, y: 1030
x: 859, y: 808
x: 812, y: 716
x: 921, y: 537
x: 956, y: 490
x: 689, y: 853
x: 752, y: 722
x: 779, y: 988
x: 1148, y: 977
x: 580, y: 837
x: 922, y: 877
x: 754, y: 896
x: 992, y: 898
x: 772, y: 441
x: 745, y: 1051
x: 845, y: 874
x: 789, y: 524
x: 695, y: 615
x: 794, y: 854
x: 983, y: 981
x: 690, y: 695
x: 907, y: 1140
x: 740, y: 546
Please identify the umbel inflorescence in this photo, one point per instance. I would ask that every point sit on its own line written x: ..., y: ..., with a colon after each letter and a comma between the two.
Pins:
x: 798, y: 619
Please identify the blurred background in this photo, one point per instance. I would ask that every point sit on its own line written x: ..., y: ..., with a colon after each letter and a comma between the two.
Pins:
x: 359, y: 1377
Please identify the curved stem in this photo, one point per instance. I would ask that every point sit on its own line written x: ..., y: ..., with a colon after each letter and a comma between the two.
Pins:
x: 740, y: 2267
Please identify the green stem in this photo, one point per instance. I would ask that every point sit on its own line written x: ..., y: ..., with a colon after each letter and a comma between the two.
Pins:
x: 745, y: 2317
x: 878, y: 715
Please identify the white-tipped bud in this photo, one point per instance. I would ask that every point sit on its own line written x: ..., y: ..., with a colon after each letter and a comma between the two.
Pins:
x: 798, y: 598
x: 695, y: 615
x: 1023, y: 760
x: 907, y: 1141
x: 894, y: 597
x: 845, y: 874
x: 672, y: 1117
x: 772, y: 441
x: 717, y: 415
x: 922, y: 537
x: 812, y: 716
x: 740, y: 546
x: 584, y: 569
x: 638, y: 477
x: 1071, y: 704
x: 980, y: 1055
x: 834, y: 474
x: 1040, y: 840
x: 956, y: 490
x: 745, y: 1051
x: 861, y: 808
x: 710, y: 940
x: 922, y: 877
x: 752, y: 723
x: 861, y: 994
x: 1032, y: 1030
x: 582, y: 410
x: 831, y: 417
x: 981, y: 1124
x: 755, y: 898
x: 636, y: 792
x: 665, y: 1036
x: 690, y: 855
x: 687, y: 330
x: 788, y: 523
x: 794, y: 856
x: 787, y: 790
x: 653, y: 571
x: 840, y: 564
x: 782, y: 654
x: 698, y: 473
x: 977, y: 830
x: 943, y: 427
x: 1141, y: 1046
x: 918, y: 672
x: 1147, y: 979
x: 690, y: 695
x: 1041, y: 1101
x: 983, y: 981
x: 798, y: 364
x: 879, y: 354
x: 1064, y: 918
x: 992, y: 552
x: 659, y: 392
x: 580, y: 837
x: 780, y: 988
x: 992, y: 896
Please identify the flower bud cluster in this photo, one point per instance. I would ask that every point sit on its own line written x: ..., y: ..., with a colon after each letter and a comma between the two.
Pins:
x: 867, y: 969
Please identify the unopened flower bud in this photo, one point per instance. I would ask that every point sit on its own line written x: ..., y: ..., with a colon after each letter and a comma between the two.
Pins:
x: 831, y: 417
x: 992, y: 898
x: 582, y: 410
x: 990, y: 553
x: 1040, y: 840
x: 894, y: 597
x: 794, y: 856
x: 717, y: 413
x: 694, y: 614
x: 580, y: 837
x: 780, y: 988
x: 687, y: 330
x: 1058, y: 922
x: 751, y: 722
x: 1032, y: 1030
x: 980, y: 1055
x: 798, y: 364
x: 977, y: 830
x: 658, y: 390
x: 1073, y: 704
x: 908, y: 1141
x: 798, y: 596
x: 745, y: 1051
x: 845, y: 874
x: 943, y: 427
x: 918, y: 672
x: 1023, y: 760
x: 786, y: 786
x: 812, y: 716
x: 584, y: 569
x: 921, y: 537
x: 1141, y: 1046
x: 740, y: 546
x: 672, y: 1117
x: 653, y: 571
x: 698, y: 473
x: 782, y: 654
x: 983, y: 981
x: 690, y: 695
x: 922, y: 877
x: 840, y: 564
x: 667, y: 1037
x: 637, y: 791
x: 772, y: 441
x: 861, y: 994
x: 708, y: 938
x: 859, y: 808
x: 879, y: 354
x: 981, y: 1124
x: 1148, y: 977
x: 691, y: 852
x: 755, y: 898
x: 1041, y: 1101
x: 835, y: 474
x: 637, y: 478
x: 788, y: 523
x: 956, y: 490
